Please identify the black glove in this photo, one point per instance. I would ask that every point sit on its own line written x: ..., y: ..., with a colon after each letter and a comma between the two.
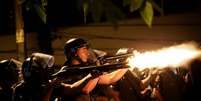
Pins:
x: 96, y: 73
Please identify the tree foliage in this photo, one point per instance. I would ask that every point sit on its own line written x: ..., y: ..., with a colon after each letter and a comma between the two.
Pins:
x: 38, y: 6
x: 113, y: 13
x: 106, y: 8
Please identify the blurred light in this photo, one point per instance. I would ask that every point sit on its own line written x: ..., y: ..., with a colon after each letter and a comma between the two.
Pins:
x: 173, y: 56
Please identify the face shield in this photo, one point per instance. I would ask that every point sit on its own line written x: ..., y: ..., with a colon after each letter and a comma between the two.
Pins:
x: 44, y: 60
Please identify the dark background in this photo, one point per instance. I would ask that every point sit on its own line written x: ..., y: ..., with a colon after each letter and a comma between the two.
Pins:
x: 67, y: 13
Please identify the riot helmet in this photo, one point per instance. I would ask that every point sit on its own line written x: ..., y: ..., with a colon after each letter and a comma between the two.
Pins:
x: 72, y: 45
x: 35, y: 68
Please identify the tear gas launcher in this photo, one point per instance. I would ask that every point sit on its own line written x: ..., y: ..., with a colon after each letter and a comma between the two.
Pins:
x: 70, y: 71
x: 115, y: 59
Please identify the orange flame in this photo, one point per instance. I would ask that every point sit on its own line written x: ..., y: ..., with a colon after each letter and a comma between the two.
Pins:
x: 173, y: 56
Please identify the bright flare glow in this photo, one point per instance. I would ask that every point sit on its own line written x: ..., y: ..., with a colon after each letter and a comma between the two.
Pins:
x: 173, y: 56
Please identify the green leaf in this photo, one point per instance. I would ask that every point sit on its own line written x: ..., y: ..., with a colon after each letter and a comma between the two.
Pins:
x: 38, y: 7
x: 44, y: 2
x: 159, y: 9
x: 147, y: 13
x: 126, y: 2
x: 135, y: 4
x: 41, y: 12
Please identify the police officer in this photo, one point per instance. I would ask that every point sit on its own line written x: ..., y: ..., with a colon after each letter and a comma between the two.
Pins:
x: 78, y: 88
x: 77, y: 51
x: 9, y: 76
x: 36, y: 78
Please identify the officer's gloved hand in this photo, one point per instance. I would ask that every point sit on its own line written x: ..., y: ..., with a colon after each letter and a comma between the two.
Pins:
x: 96, y: 73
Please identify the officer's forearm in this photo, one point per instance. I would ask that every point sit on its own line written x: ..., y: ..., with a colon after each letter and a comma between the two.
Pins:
x: 78, y: 83
x: 90, y: 85
x: 112, y: 77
